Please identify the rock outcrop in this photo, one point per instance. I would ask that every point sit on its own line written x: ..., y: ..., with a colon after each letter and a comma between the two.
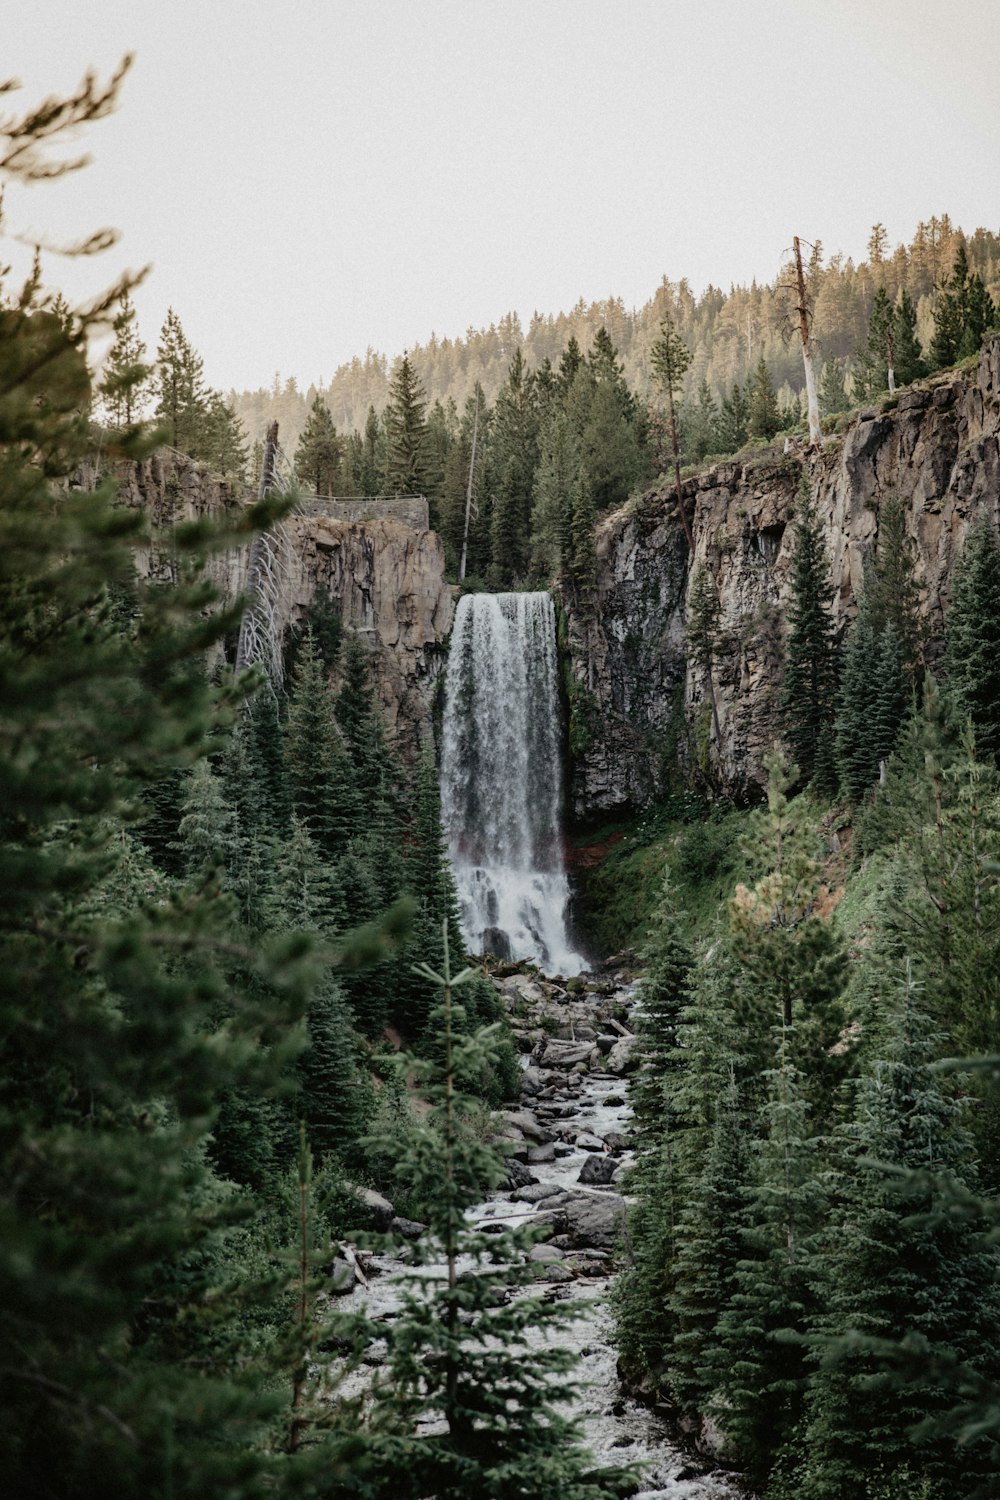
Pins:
x: 378, y: 560
x: 636, y: 699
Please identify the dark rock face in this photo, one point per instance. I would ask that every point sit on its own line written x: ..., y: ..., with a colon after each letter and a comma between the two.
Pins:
x: 637, y: 699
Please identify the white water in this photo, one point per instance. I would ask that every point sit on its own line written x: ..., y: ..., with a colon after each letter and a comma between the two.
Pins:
x: 501, y: 783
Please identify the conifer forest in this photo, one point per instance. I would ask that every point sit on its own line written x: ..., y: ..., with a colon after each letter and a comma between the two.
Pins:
x: 500, y: 925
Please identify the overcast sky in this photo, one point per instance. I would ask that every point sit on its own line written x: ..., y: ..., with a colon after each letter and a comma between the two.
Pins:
x: 313, y: 177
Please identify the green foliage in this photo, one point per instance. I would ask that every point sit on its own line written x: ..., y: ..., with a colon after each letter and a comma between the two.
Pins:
x: 810, y: 679
x: 407, y: 459
x: 319, y: 457
x: 763, y: 417
x: 973, y: 630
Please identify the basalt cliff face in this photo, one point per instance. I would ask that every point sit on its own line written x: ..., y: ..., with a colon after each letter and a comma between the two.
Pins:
x: 637, y: 701
x: 379, y: 561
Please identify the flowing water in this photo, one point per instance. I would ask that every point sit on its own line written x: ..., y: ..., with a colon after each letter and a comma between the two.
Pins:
x: 617, y: 1430
x: 501, y: 781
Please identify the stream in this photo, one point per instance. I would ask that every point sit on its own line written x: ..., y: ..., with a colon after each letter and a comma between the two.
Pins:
x: 574, y: 1117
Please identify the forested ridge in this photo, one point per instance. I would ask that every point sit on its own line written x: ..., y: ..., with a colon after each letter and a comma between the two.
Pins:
x: 240, y: 1034
x: 521, y: 440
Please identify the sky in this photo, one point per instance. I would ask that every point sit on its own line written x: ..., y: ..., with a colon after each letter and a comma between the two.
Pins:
x: 313, y: 178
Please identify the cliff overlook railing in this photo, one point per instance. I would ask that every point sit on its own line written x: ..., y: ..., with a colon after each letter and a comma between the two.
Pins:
x: 412, y: 510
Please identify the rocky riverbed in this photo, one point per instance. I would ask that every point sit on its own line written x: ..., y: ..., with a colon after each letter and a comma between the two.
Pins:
x: 569, y: 1153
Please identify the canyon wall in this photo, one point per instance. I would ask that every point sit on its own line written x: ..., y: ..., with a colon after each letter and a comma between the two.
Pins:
x: 637, y: 702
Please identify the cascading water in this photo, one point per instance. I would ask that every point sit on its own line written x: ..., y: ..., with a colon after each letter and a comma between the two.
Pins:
x: 501, y: 784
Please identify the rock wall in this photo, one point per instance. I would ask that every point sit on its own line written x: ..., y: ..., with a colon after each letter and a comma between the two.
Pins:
x: 381, y: 563
x: 636, y: 699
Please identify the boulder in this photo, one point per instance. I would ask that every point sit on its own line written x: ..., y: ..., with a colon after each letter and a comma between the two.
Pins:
x: 587, y: 1141
x: 343, y: 1278
x: 624, y: 1056
x: 380, y: 1210
x: 615, y: 1141
x: 409, y: 1229
x: 545, y: 1251
x: 597, y: 1170
x: 587, y: 1221
x: 524, y: 1121
x: 539, y: 1155
x: 518, y: 1175
x: 534, y: 1192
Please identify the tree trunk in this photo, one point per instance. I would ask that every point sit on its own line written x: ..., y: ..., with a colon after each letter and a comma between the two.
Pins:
x: 815, y: 431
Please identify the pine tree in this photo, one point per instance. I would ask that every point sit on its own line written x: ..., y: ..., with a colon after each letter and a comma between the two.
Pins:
x: 710, y: 1246
x: 808, y: 692
x: 513, y: 462
x: 670, y: 358
x: 734, y: 418
x: 702, y: 635
x: 125, y: 376
x: 223, y: 441
x: 122, y: 1028
x: 949, y: 320
x: 407, y: 458
x: 320, y: 454
x: 180, y: 388
x: 663, y: 994
x: 320, y: 775
x: 910, y: 363
x: 833, y: 397
x: 894, y: 1264
x: 764, y: 418
x: 761, y: 1363
x: 973, y: 627
x: 555, y: 479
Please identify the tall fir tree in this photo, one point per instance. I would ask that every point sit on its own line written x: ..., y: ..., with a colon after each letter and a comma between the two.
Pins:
x: 973, y: 633
x: 808, y: 690
x: 407, y: 468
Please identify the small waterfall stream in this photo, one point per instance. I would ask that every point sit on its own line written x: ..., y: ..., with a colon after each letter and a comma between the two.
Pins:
x: 501, y: 782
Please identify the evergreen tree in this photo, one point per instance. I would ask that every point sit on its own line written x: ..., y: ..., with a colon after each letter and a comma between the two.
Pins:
x: 180, y: 388
x: 734, y: 417
x: 407, y: 460
x: 670, y: 359
x: 710, y: 1248
x: 702, y: 635
x: 833, y: 397
x: 761, y: 1363
x: 973, y: 627
x: 320, y: 776
x: 809, y: 687
x: 663, y: 994
x: 875, y: 368
x: 224, y: 441
x: 319, y: 456
x: 910, y: 363
x: 894, y: 1264
x: 949, y: 319
x: 555, y: 480
x: 514, y: 459
x: 125, y: 374
x: 121, y: 1027
x: 764, y: 418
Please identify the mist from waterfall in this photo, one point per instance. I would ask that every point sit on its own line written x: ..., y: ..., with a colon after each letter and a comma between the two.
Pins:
x: 501, y: 779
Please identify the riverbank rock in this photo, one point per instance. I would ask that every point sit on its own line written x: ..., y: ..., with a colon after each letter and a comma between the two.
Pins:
x: 587, y: 1221
x: 624, y: 1056
x: 380, y: 1210
x: 597, y: 1170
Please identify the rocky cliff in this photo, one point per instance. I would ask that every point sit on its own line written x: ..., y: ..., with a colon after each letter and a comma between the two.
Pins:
x: 637, y: 701
x: 379, y: 561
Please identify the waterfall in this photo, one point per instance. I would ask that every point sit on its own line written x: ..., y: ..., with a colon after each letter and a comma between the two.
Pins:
x: 501, y: 783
